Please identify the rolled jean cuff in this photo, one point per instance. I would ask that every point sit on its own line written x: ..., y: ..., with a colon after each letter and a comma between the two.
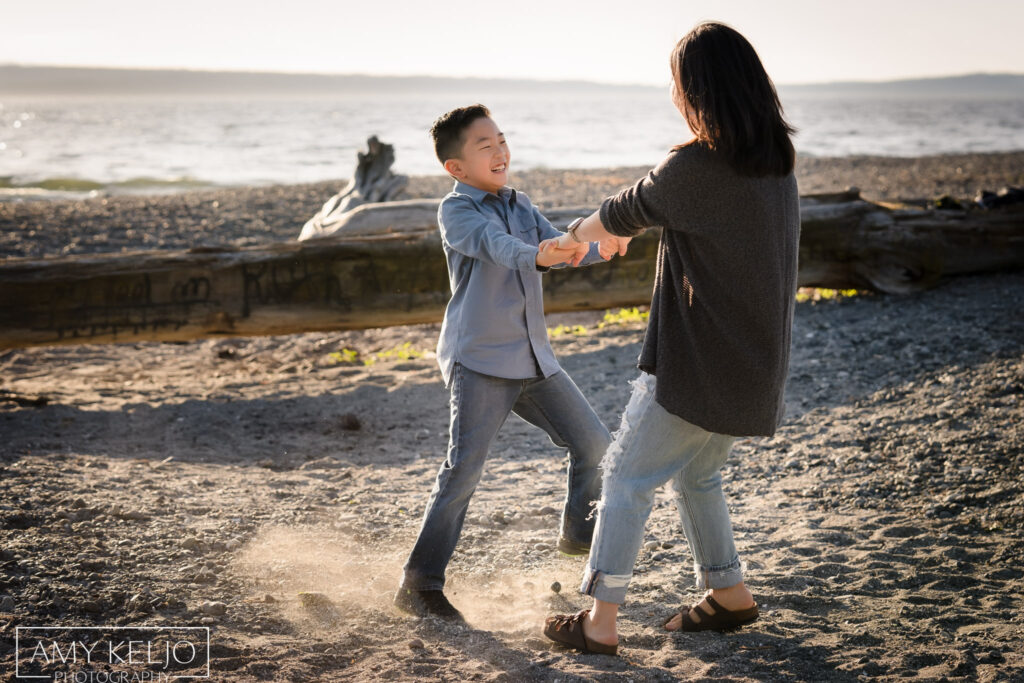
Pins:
x: 718, y: 577
x: 605, y: 587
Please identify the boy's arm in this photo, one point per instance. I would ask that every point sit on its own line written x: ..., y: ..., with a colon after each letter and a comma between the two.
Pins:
x: 469, y: 232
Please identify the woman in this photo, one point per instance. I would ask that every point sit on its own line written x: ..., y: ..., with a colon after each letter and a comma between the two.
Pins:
x: 716, y: 353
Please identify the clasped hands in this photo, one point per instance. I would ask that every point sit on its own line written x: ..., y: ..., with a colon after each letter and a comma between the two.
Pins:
x: 564, y: 249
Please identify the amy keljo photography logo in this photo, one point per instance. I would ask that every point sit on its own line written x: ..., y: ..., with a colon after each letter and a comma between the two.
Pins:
x: 112, y: 654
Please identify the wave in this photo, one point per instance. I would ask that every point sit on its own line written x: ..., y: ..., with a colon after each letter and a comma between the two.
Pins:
x: 69, y: 187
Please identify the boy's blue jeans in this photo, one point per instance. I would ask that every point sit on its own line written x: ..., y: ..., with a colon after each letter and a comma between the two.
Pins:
x: 480, y: 404
x: 652, y: 447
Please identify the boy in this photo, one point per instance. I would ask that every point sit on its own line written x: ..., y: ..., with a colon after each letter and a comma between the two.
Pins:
x: 494, y: 351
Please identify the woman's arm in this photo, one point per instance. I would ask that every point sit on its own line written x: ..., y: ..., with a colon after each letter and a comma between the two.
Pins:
x: 593, y: 230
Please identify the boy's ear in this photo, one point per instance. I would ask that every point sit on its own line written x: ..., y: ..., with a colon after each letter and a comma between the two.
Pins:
x: 454, y: 167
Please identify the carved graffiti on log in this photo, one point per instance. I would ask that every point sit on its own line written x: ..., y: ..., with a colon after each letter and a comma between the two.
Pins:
x: 112, y: 307
x: 291, y: 281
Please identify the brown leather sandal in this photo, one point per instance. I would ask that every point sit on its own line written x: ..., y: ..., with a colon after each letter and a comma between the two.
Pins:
x: 721, y: 620
x: 567, y: 629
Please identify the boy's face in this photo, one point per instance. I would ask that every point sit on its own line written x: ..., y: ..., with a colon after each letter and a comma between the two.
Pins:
x: 484, y: 159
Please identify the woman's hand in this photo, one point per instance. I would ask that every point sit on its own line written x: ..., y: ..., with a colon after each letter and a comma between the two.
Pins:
x: 613, y: 245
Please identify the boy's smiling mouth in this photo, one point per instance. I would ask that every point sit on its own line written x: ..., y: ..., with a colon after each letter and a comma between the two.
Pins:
x: 500, y: 168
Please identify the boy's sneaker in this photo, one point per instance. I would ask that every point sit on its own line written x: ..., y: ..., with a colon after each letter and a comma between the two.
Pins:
x: 430, y: 603
x: 572, y: 548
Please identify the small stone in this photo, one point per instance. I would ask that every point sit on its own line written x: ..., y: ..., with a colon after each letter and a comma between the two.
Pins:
x: 191, y: 543
x: 313, y: 599
x: 92, y: 565
x: 350, y: 423
x: 6, y: 604
x: 208, y: 621
x: 269, y: 598
x: 205, y: 576
x: 78, y: 503
x: 416, y: 644
x: 139, y: 603
x: 91, y: 606
x: 498, y: 516
x: 556, y: 587
x: 213, y: 608
x: 652, y: 545
x: 547, y: 510
x: 668, y: 545
x: 541, y: 547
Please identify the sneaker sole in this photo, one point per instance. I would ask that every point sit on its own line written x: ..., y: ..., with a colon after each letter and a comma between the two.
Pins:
x: 571, y: 549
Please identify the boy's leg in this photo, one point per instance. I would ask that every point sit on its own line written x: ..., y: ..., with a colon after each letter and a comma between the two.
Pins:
x: 556, y: 405
x: 480, y: 404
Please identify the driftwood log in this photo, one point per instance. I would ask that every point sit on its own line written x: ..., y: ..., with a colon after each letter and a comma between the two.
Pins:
x: 395, y: 274
x: 372, y: 181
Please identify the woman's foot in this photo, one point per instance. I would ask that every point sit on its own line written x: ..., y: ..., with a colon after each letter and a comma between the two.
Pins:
x: 575, y: 631
x: 732, y: 599
x: 598, y: 632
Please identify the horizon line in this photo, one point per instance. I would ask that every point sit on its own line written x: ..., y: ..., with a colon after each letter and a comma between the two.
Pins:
x: 326, y: 74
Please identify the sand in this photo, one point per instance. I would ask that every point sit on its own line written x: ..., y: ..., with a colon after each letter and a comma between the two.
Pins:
x: 882, y: 525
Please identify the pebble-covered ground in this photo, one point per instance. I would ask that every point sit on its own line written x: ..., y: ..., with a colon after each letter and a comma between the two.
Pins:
x: 252, y: 216
x: 210, y: 483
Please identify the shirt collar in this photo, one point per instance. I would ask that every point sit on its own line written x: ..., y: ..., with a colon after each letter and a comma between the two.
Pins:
x: 506, y: 193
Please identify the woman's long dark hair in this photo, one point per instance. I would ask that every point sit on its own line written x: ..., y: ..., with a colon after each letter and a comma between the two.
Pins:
x: 732, y: 104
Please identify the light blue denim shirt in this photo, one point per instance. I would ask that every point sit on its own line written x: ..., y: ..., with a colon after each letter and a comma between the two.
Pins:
x: 494, y: 323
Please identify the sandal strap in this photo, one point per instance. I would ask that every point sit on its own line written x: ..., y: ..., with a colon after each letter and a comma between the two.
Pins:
x: 687, y: 620
x: 704, y: 614
x: 714, y: 605
x: 569, y: 622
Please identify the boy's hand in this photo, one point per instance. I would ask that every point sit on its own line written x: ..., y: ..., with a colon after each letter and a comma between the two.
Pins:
x: 549, y: 254
x: 565, y: 245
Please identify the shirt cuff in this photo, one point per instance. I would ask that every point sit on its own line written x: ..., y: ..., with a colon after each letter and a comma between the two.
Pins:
x: 526, y: 259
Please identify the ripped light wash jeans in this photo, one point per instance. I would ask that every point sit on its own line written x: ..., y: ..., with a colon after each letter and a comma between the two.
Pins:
x: 651, y: 447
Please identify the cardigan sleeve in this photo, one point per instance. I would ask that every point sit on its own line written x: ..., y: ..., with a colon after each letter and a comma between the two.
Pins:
x: 659, y: 198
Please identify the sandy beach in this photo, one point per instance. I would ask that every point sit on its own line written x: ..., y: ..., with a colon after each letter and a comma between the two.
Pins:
x: 212, y: 482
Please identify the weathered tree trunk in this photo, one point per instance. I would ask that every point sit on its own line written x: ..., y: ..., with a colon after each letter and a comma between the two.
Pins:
x: 371, y: 182
x: 855, y: 244
x: 398, y: 275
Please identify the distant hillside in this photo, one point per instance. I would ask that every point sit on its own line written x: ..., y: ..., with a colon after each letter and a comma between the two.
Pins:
x: 988, y: 86
x: 45, y: 80
x: 49, y: 80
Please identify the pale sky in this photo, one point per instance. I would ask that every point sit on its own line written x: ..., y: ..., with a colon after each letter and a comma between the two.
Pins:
x: 616, y: 41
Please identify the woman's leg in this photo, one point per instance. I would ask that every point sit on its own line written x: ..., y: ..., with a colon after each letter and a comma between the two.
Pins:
x: 705, y: 518
x: 650, y: 447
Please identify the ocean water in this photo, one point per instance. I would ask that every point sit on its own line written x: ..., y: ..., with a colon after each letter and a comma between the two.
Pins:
x: 61, y: 147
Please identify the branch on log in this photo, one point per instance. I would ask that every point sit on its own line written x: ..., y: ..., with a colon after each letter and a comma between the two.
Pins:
x: 371, y: 182
x: 396, y: 275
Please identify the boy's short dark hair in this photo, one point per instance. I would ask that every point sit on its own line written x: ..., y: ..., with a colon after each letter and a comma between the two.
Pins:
x: 448, y: 129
